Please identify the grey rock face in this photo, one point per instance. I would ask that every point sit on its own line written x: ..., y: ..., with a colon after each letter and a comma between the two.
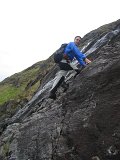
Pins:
x: 83, y: 123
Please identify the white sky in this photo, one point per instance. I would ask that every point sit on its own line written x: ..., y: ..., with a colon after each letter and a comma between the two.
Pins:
x: 31, y: 30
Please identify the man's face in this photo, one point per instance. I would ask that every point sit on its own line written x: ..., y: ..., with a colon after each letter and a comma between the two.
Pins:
x: 77, y: 41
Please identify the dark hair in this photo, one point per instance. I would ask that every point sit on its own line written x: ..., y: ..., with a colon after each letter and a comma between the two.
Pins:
x: 76, y: 37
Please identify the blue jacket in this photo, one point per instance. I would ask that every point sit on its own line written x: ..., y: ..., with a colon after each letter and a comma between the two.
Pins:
x: 72, y: 51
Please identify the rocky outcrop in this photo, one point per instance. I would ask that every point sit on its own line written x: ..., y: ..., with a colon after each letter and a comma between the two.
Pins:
x: 83, y: 123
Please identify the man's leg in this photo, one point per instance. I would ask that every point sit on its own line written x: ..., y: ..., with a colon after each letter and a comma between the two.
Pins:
x: 73, y: 72
x: 76, y: 67
x: 60, y: 76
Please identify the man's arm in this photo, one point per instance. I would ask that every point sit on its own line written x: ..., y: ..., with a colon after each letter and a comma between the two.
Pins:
x: 71, y: 47
x: 79, y: 55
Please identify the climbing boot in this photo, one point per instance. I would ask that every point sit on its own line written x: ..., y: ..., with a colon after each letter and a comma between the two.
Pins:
x: 53, y: 91
x: 52, y: 96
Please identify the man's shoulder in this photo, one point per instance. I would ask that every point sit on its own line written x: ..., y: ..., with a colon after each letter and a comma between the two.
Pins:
x: 71, y: 44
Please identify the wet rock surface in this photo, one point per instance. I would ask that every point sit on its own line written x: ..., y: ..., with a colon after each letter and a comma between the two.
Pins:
x: 82, y: 124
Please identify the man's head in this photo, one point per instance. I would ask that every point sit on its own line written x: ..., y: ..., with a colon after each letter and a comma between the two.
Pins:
x: 77, y: 40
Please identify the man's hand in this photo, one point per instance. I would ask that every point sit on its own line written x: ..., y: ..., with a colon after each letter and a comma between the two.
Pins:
x: 87, y: 61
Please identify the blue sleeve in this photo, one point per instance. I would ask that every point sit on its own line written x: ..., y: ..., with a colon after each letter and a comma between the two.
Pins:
x: 78, y: 54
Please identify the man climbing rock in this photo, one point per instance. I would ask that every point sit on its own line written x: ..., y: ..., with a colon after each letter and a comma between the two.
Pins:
x: 71, y: 52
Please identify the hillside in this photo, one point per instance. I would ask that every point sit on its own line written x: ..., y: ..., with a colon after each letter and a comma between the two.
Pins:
x: 25, y: 83
x: 83, y: 123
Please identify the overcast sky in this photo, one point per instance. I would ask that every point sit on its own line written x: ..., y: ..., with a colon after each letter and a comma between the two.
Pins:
x: 31, y: 30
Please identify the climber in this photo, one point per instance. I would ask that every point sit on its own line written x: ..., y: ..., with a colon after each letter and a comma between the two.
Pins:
x: 71, y: 52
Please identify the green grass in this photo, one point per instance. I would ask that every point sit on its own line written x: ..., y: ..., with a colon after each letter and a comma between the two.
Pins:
x: 8, y: 92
